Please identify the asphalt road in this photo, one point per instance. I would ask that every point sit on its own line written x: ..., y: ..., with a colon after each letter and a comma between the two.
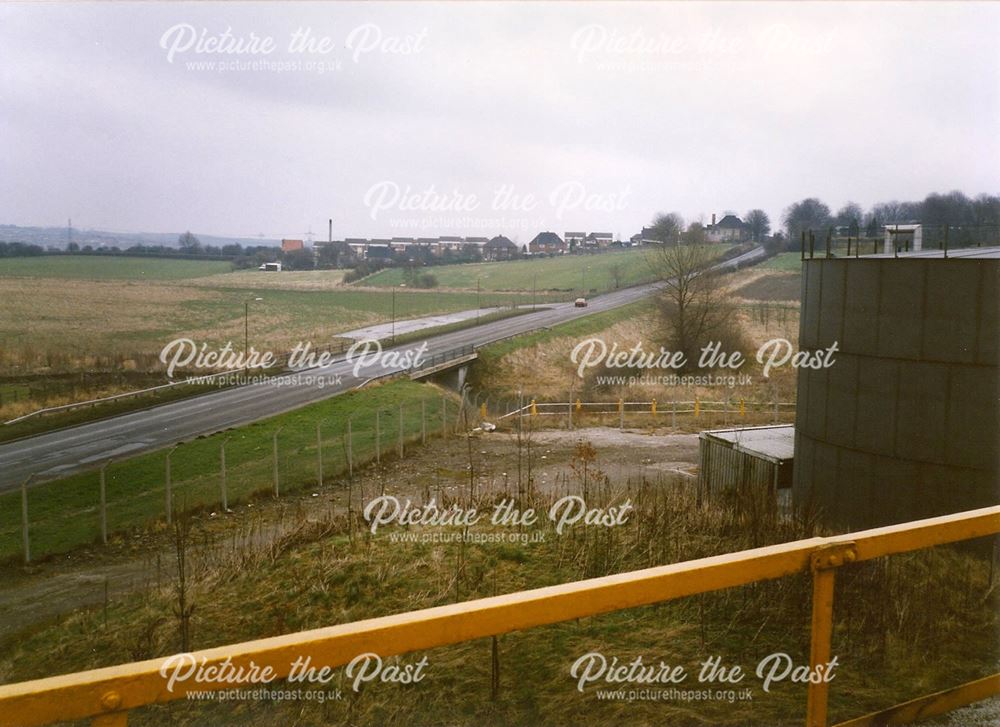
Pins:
x: 56, y: 454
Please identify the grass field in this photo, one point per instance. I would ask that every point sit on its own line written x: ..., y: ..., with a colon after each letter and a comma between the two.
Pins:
x: 563, y: 273
x: 64, y: 513
x: 789, y: 262
x: 66, y: 319
x: 93, y: 267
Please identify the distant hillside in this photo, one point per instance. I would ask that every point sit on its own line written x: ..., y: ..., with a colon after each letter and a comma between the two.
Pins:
x: 58, y: 237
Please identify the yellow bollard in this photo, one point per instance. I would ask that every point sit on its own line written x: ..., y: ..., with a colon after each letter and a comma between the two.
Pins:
x: 743, y: 408
x: 534, y: 409
x: 579, y: 406
x: 621, y: 406
x: 482, y: 410
x: 697, y: 407
x: 653, y: 407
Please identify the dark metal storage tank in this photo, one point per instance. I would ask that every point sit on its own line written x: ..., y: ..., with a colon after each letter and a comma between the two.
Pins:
x: 904, y: 424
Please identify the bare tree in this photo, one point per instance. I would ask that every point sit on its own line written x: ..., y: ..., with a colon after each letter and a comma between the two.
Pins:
x: 809, y: 214
x: 189, y: 242
x: 667, y: 227
x: 850, y: 216
x: 695, y: 234
x: 759, y: 224
x: 693, y: 301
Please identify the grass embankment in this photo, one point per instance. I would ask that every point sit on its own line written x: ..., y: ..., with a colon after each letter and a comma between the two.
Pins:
x: 64, y: 513
x: 903, y: 627
x: 94, y: 267
x: 570, y: 273
x: 787, y: 262
x: 539, y: 364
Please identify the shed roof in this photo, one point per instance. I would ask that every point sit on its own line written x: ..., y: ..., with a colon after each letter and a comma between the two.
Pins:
x: 775, y: 443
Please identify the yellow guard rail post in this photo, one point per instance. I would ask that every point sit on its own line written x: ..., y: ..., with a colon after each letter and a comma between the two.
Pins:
x: 105, y: 695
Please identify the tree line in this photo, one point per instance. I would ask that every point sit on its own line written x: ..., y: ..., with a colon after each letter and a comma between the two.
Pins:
x: 954, y: 209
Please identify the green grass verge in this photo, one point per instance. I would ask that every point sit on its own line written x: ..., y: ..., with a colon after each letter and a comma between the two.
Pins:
x: 564, y: 273
x: 64, y: 513
x: 784, y: 261
x: 95, y: 267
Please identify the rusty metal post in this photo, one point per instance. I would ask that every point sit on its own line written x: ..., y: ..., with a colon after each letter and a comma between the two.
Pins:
x: 824, y: 562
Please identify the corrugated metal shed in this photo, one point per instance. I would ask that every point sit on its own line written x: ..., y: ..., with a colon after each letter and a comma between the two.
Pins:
x: 758, y: 458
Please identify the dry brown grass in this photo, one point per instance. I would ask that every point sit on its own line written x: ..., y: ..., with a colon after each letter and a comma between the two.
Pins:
x: 546, y: 371
x: 286, y: 280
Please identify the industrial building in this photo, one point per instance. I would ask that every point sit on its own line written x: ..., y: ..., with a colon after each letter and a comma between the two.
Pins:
x: 904, y: 425
x: 754, y: 459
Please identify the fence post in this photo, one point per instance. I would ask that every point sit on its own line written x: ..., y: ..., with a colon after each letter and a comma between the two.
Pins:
x: 378, y: 437
x: 222, y: 476
x: 823, y: 562
x: 621, y: 415
x: 652, y: 408
x: 534, y: 408
x: 444, y: 416
x: 401, y: 431
x: 775, y: 407
x: 569, y: 410
x: 350, y: 449
x: 319, y: 454
x: 743, y: 408
x: 673, y: 412
x: 725, y: 410
x: 25, y: 541
x: 945, y: 241
x: 169, y: 494
x: 104, y: 507
x: 274, y: 460
x: 423, y: 421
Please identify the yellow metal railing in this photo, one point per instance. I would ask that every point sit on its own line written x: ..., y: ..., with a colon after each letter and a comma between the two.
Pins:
x: 106, y: 695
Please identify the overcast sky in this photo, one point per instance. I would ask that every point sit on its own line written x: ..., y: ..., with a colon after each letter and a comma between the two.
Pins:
x: 591, y: 116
